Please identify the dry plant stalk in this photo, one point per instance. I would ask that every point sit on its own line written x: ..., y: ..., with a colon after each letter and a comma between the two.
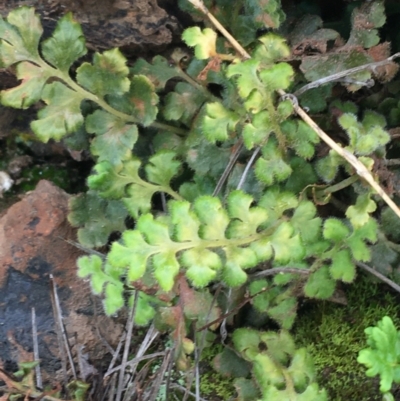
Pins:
x: 360, y: 168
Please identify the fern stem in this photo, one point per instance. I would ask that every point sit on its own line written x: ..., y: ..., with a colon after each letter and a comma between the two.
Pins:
x: 102, y: 103
x: 340, y: 185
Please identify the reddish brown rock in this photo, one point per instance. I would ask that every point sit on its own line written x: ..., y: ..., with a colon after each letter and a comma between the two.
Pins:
x: 33, y: 246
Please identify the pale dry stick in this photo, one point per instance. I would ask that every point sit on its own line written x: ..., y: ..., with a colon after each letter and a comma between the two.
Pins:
x: 232, y: 161
x: 201, y: 343
x: 178, y: 386
x: 392, y: 162
x: 361, y: 170
x: 379, y: 275
x: 112, y: 387
x: 134, y: 362
x: 160, y: 376
x: 63, y: 355
x: 344, y: 74
x: 222, y: 330
x: 79, y: 352
x: 197, y: 373
x: 248, y: 166
x: 168, y: 373
x: 200, y: 6
x: 59, y: 318
x: 278, y: 270
x: 115, y: 355
x: 151, y: 335
x: 125, y: 355
x: 83, y: 248
x: 39, y: 383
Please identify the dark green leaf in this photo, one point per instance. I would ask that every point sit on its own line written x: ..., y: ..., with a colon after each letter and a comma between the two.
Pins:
x: 140, y: 102
x: 114, y: 137
x: 61, y: 116
x: 107, y: 76
x: 66, y: 45
x: 29, y: 92
x: 160, y: 71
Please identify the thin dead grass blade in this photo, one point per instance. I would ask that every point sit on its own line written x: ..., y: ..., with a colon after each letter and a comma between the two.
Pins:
x: 38, y: 374
x: 129, y: 329
x: 160, y: 375
x: 61, y: 333
x: 378, y: 275
x: 150, y: 337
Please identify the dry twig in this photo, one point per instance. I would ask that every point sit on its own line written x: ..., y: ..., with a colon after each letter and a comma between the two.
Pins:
x: 346, y: 73
x: 379, y: 275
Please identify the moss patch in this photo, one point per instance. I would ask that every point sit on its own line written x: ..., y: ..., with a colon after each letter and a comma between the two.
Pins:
x: 214, y: 385
x: 334, y: 335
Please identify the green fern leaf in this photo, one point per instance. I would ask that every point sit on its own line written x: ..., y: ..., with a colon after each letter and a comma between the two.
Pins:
x: 185, y: 220
x: 278, y: 76
x: 233, y: 274
x: 103, y: 278
x: 20, y: 36
x: 300, y: 137
x: 61, y: 116
x: 132, y: 255
x: 356, y: 241
x: 29, y: 91
x: 113, y: 298
x: 195, y: 237
x: 342, y: 267
x: 108, y: 75
x: 111, y: 181
x: 123, y: 181
x: 276, y: 202
x: 214, y: 218
x: 145, y: 310
x: 257, y: 131
x: 183, y: 103
x: 162, y: 167
x: 382, y: 355
x: 248, y: 79
x: 320, y: 284
x: 246, y: 219
x: 305, y: 222
x: 66, y: 44
x: 218, y: 122
x: 327, y: 167
x: 160, y: 71
x: 114, y: 138
x: 335, y: 230
x: 140, y: 102
x: 366, y: 136
x: 286, y: 244
x: 359, y: 214
x: 272, y: 49
x: 96, y: 218
x: 271, y: 166
x: 204, y: 41
x: 92, y: 266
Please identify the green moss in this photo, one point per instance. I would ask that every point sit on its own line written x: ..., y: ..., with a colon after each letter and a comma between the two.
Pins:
x: 334, y: 335
x: 34, y: 174
x: 213, y: 384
